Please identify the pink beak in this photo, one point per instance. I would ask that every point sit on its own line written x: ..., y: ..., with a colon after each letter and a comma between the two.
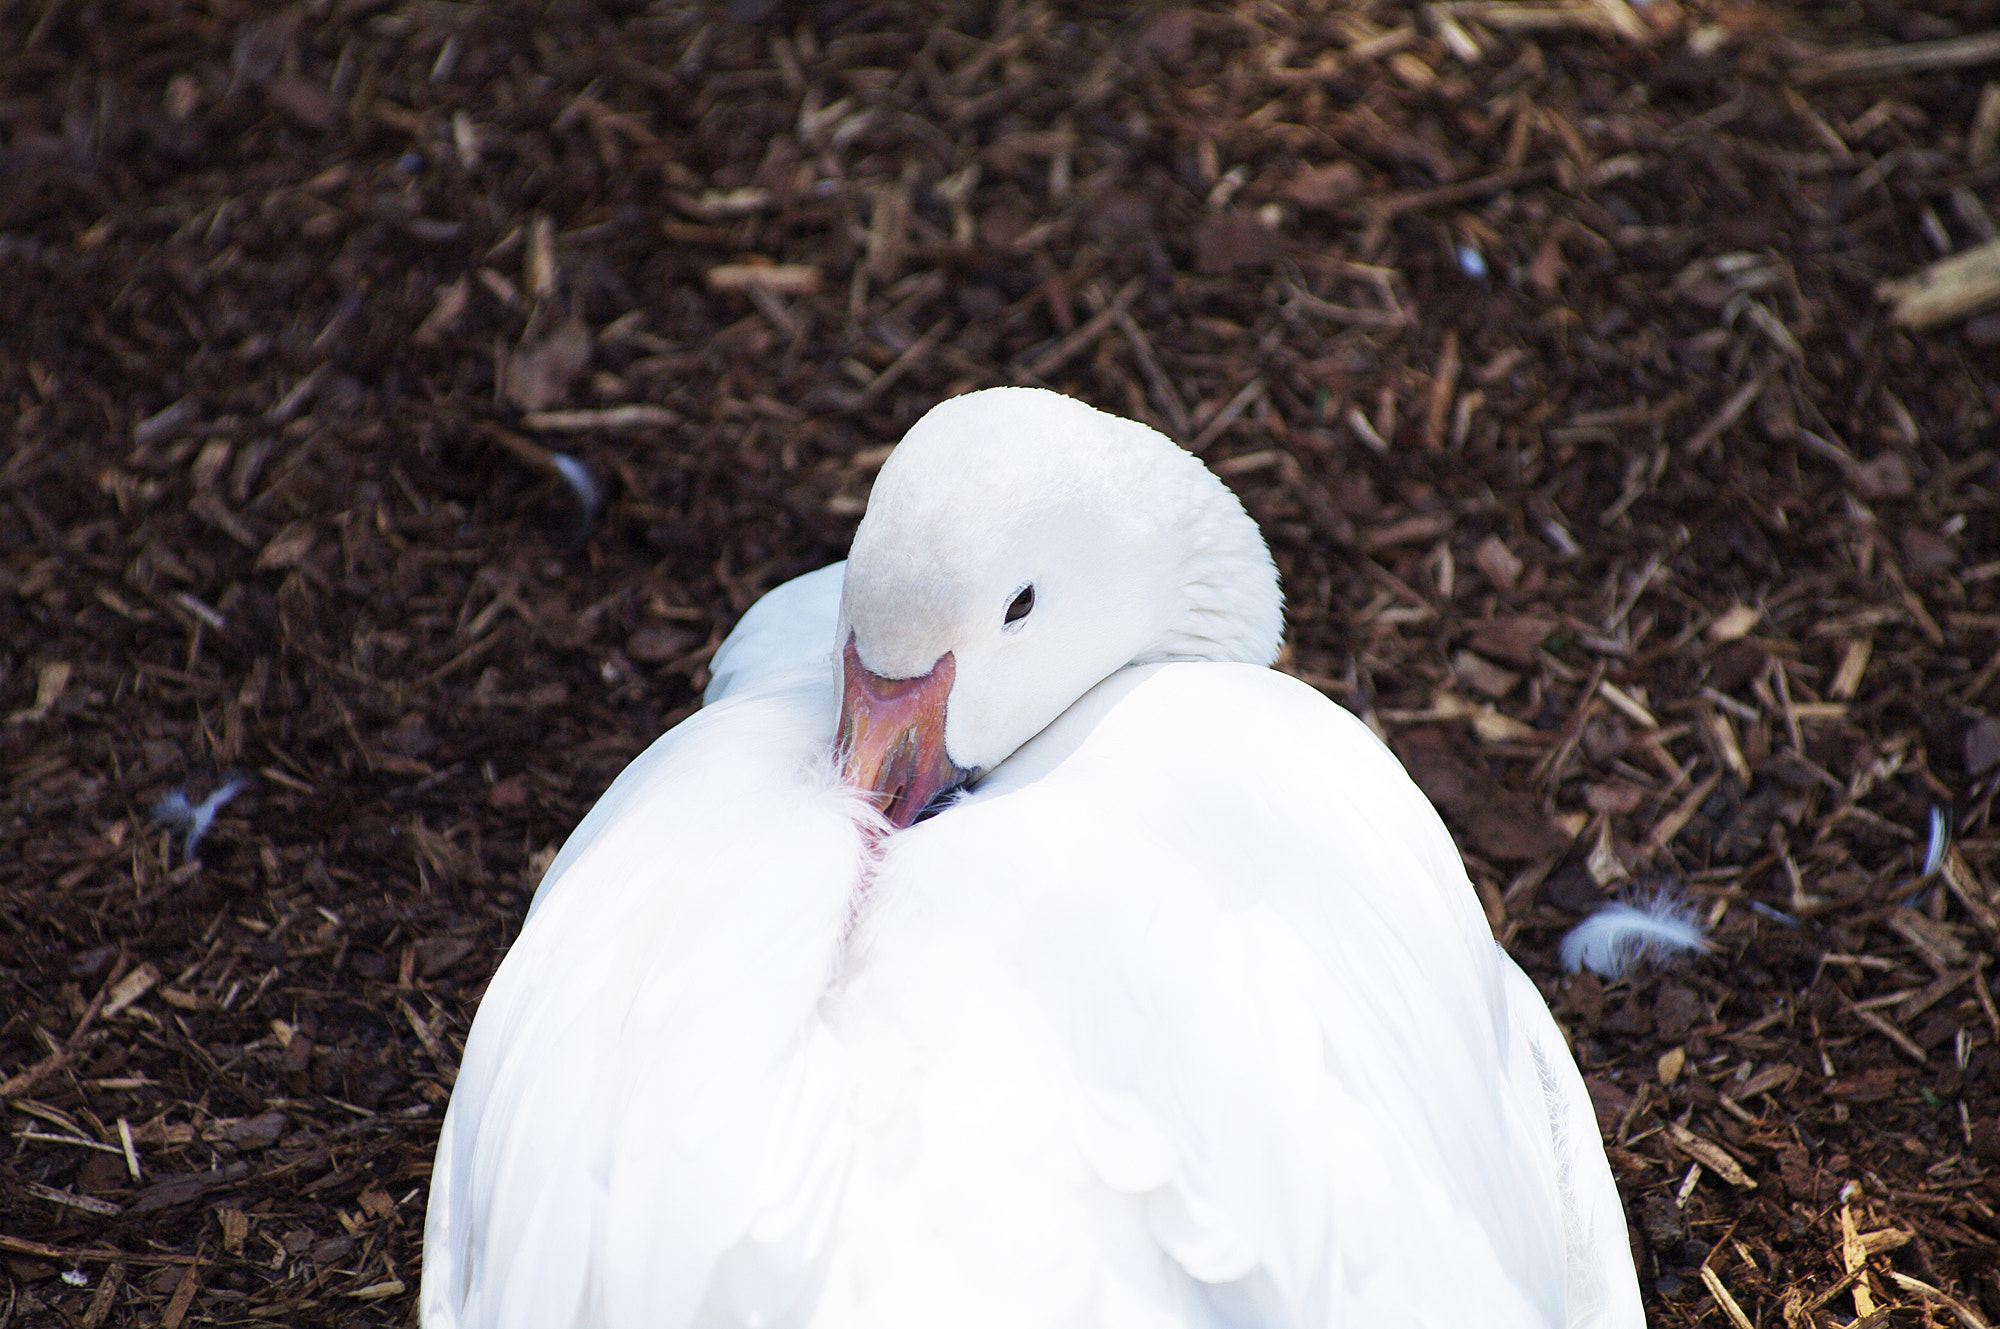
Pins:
x: 892, y: 736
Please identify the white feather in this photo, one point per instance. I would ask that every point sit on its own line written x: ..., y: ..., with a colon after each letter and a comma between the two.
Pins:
x: 175, y: 810
x: 1619, y: 935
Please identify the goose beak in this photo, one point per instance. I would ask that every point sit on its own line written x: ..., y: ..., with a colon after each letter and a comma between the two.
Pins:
x: 892, y: 736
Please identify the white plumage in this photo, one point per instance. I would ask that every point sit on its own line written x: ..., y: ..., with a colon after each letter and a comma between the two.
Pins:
x: 1184, y: 1014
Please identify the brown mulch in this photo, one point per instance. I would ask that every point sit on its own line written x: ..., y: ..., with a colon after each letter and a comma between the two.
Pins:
x: 1545, y: 341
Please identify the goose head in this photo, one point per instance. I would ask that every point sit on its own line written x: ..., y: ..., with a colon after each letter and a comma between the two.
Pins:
x: 1019, y: 548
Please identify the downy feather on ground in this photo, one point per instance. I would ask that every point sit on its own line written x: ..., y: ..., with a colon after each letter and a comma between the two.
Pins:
x: 1655, y: 928
x: 177, y: 811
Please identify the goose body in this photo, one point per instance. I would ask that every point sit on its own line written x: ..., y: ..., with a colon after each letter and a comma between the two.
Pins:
x: 1183, y: 1014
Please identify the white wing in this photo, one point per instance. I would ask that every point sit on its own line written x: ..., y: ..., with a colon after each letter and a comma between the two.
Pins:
x: 1188, y: 1016
x: 791, y: 625
x: 650, y: 1049
x: 1603, y: 1288
x: 1233, y: 938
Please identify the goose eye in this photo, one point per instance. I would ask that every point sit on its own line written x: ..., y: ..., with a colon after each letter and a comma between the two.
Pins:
x: 1023, y: 602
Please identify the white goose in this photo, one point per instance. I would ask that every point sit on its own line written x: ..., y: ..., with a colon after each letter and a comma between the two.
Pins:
x: 1183, y: 1013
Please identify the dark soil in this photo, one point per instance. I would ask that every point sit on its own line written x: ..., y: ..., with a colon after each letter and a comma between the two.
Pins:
x: 1545, y: 343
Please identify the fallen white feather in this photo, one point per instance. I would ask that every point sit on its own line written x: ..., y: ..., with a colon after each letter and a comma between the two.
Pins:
x: 578, y: 477
x: 175, y: 810
x: 1619, y: 935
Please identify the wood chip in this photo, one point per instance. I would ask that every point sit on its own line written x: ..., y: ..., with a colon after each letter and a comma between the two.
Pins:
x: 1767, y: 1081
x: 1674, y: 822
x: 1603, y: 863
x: 1904, y: 1043
x: 1626, y: 702
x: 1967, y: 1317
x: 1854, y: 1258
x: 1939, y: 943
x: 1165, y: 395
x: 733, y: 202
x: 1946, y: 290
x: 1442, y: 196
x: 1734, y: 623
x: 1853, y: 1276
x: 1088, y: 334
x: 1483, y: 676
x: 1732, y: 411
x: 1982, y: 140
x: 446, y: 1064
x: 1883, y: 1240
x: 1501, y: 565
x: 777, y: 278
x: 1687, y: 1186
x: 1232, y: 410
x: 130, y: 1150
x: 1985, y: 995
x: 1507, y: 15
x: 1853, y: 663
x: 211, y: 509
x: 130, y: 988
x: 88, y: 1204
x: 1710, y: 1155
x: 1419, y: 529
x: 1444, y: 383
x: 1908, y: 58
x: 637, y: 415
x: 1724, y: 734
x: 1496, y: 727
x: 106, y: 1296
x: 183, y: 1297
x: 1713, y: 1283
x: 1973, y: 892
x: 50, y: 681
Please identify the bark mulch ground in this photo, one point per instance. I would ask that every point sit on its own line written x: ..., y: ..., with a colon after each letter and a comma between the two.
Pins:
x: 1550, y: 344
